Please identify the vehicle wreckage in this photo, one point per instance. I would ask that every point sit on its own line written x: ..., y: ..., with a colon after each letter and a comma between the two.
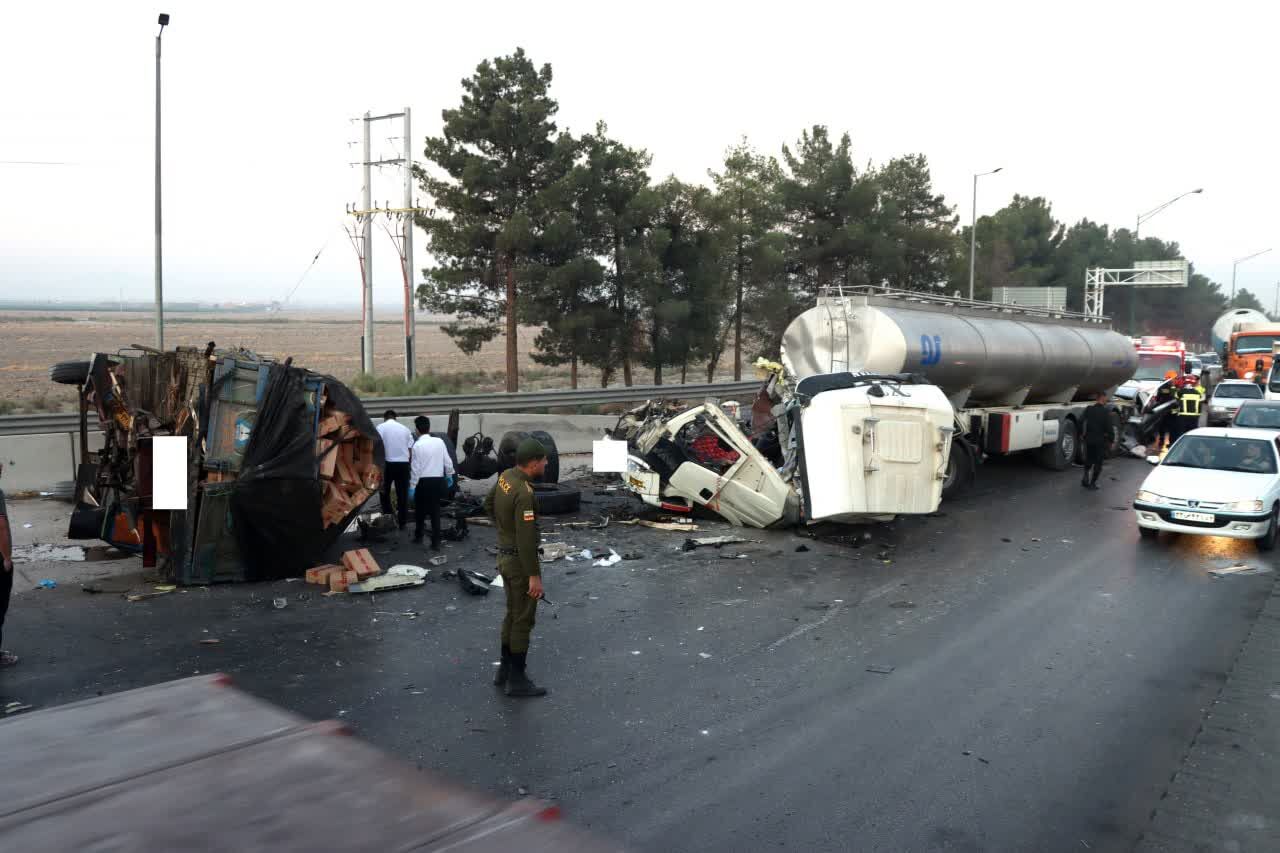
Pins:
x: 279, y: 460
x: 884, y: 402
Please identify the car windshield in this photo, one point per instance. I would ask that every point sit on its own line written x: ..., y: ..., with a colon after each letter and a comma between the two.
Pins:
x: 1243, y: 391
x: 1259, y: 415
x: 1211, y: 359
x: 1254, y: 343
x: 1219, y: 453
x: 1156, y: 366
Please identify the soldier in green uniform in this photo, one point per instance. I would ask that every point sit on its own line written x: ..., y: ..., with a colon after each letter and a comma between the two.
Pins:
x: 511, y: 508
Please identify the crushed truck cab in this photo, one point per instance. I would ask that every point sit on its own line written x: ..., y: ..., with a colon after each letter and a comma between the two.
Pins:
x: 836, y: 447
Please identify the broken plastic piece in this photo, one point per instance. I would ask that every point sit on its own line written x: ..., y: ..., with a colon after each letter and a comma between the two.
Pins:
x: 404, y: 570
x: 438, y: 561
x: 713, y: 542
x: 612, y: 560
x: 880, y: 668
x: 474, y: 582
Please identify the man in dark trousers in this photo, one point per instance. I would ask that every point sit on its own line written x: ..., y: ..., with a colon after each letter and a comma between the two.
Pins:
x: 397, y: 439
x: 430, y: 469
x: 1097, y: 437
x: 511, y: 507
x: 6, y: 574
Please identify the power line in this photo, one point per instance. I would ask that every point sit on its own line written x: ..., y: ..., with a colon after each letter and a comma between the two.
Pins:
x: 307, y: 271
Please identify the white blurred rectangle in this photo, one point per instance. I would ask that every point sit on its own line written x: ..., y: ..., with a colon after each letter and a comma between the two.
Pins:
x: 609, y: 457
x: 169, y: 472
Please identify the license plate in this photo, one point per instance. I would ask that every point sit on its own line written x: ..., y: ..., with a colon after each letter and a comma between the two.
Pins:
x: 1193, y: 516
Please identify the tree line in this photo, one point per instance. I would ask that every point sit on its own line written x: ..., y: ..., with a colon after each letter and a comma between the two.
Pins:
x: 623, y: 273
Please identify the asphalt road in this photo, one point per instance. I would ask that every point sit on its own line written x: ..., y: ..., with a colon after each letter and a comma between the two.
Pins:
x: 1042, y: 690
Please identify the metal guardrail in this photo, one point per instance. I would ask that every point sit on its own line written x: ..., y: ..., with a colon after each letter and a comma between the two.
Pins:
x: 441, y: 403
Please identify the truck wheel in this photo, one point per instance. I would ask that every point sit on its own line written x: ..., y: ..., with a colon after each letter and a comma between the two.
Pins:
x: 1059, y: 455
x: 552, y: 474
x: 960, y: 471
x: 70, y: 372
x: 1117, y: 430
x: 556, y: 498
x: 507, y: 447
x: 1268, y: 540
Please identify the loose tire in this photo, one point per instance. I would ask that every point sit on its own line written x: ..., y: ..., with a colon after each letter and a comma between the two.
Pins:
x: 70, y: 372
x: 507, y: 446
x: 552, y: 473
x: 1268, y: 540
x: 960, y: 469
x: 556, y: 498
x: 1059, y: 455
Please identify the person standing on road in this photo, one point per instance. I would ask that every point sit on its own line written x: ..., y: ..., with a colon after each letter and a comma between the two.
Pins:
x: 1165, y: 394
x: 397, y: 440
x: 429, y: 465
x: 6, y: 574
x: 511, y: 507
x: 1097, y: 438
x: 1190, y: 402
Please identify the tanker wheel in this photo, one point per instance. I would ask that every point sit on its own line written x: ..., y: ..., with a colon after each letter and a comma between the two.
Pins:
x: 1059, y: 455
x: 960, y: 469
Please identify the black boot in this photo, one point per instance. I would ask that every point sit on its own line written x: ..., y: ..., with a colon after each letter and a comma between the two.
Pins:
x: 518, y: 684
x: 504, y: 668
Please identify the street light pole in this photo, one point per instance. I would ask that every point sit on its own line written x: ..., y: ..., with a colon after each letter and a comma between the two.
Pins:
x: 1143, y: 217
x: 973, y: 227
x: 1235, y: 264
x: 163, y: 21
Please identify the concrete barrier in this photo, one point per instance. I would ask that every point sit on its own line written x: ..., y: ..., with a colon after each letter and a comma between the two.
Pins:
x: 37, y: 462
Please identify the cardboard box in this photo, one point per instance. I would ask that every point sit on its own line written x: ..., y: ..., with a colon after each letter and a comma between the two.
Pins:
x: 328, y: 458
x: 320, y: 574
x: 338, y: 582
x: 361, y: 562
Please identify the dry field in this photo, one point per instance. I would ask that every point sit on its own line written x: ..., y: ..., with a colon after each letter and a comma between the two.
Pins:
x: 31, y: 341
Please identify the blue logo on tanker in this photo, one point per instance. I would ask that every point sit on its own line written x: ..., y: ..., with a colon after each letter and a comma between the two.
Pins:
x: 930, y: 350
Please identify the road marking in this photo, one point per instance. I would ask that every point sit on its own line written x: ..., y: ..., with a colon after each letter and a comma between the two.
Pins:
x: 879, y: 592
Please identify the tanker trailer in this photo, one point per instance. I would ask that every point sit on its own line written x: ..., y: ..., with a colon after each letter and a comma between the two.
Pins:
x: 1233, y: 321
x: 1019, y: 379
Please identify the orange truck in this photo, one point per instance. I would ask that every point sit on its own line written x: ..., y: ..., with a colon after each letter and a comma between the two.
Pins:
x: 1249, y: 351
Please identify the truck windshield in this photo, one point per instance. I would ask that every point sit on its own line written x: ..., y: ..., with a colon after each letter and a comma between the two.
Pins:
x: 1247, y: 455
x: 1153, y: 365
x: 1254, y: 344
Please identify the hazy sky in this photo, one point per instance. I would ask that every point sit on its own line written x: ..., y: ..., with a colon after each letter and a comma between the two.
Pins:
x: 1106, y: 109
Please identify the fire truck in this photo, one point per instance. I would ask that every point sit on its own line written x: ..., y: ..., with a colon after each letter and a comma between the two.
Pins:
x: 1157, y: 357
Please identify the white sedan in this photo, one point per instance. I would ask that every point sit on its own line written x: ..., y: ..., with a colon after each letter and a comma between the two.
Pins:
x: 1215, y: 482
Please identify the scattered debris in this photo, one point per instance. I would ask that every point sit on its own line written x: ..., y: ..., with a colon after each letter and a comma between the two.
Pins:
x: 734, y: 556
x: 362, y: 563
x: 703, y: 655
x: 612, y: 560
x: 98, y: 590
x: 632, y: 555
x: 165, y: 587
x: 47, y: 583
x: 143, y: 596
x: 16, y: 708
x: 209, y: 641
x: 880, y: 668
x: 59, y: 553
x: 474, y: 582
x: 438, y: 561
x: 498, y: 582
x: 279, y: 603
x: 714, y: 542
x: 404, y: 570
x: 599, y: 524
x: 384, y: 583
x: 683, y: 527
x: 320, y: 574
x: 1238, y: 569
x: 553, y: 551
x: 1005, y: 539
x: 800, y: 549
x: 479, y: 519
x: 730, y: 603
x: 903, y: 605
x: 27, y: 525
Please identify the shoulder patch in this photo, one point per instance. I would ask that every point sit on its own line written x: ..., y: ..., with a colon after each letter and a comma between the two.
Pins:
x: 528, y: 515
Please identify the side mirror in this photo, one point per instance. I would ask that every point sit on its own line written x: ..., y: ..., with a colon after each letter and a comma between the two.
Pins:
x: 1154, y: 460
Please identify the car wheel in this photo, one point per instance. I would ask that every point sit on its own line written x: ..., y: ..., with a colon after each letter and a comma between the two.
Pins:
x: 1268, y: 540
x: 1149, y: 534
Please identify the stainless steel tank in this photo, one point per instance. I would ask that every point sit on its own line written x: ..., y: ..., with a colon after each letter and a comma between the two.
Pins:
x: 977, y: 353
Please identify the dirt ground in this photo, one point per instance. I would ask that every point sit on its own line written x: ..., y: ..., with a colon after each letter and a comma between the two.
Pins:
x: 324, y: 342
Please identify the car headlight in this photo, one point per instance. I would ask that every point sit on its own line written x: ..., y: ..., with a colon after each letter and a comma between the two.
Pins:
x: 1150, y: 497
x: 1245, y: 506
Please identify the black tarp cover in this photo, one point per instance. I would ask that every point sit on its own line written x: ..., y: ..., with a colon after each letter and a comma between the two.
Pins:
x: 276, y: 506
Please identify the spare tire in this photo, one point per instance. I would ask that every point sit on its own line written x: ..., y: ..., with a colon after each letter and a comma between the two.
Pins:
x: 556, y: 498
x: 552, y: 473
x: 70, y: 372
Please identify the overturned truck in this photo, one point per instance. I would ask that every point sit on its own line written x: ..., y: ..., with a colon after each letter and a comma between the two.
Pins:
x: 279, y: 460
x: 884, y: 403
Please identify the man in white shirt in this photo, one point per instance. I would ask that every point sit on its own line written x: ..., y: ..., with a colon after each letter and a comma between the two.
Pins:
x: 397, y: 439
x: 429, y: 464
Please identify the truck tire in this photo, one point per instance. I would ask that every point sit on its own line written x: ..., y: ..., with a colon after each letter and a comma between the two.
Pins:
x: 960, y: 469
x: 1059, y: 455
x: 70, y: 372
x: 552, y: 474
x: 1117, y: 430
x: 556, y: 498
x: 507, y: 448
